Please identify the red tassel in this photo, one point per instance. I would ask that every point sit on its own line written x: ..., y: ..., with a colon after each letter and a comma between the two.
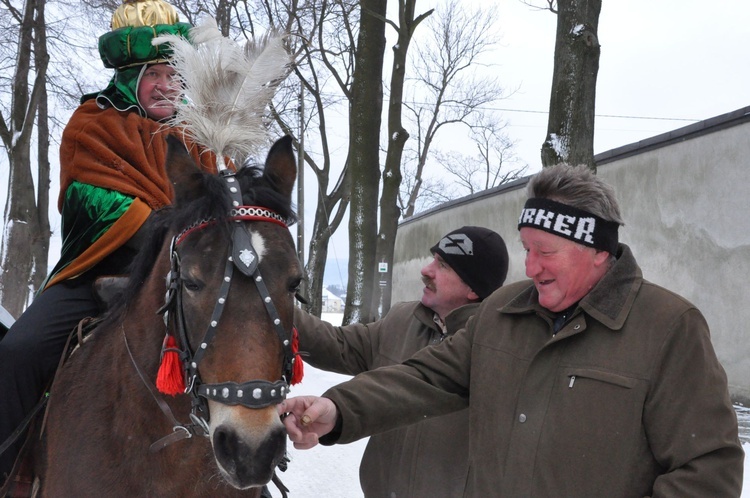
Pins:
x: 298, y: 370
x: 170, y: 379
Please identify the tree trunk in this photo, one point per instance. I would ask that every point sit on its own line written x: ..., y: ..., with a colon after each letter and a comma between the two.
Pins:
x: 397, y: 137
x: 43, y: 233
x: 570, y: 129
x: 315, y: 270
x: 323, y: 228
x: 364, y: 147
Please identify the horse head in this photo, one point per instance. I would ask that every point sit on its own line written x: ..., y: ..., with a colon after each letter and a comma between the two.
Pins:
x: 230, y: 303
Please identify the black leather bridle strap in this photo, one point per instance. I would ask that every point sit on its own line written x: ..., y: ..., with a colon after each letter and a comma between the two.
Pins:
x: 252, y: 394
x: 274, y: 314
x: 212, y: 324
x: 255, y: 393
x: 180, y: 431
x: 243, y: 256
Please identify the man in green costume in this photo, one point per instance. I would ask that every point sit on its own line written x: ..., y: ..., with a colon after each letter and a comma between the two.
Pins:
x: 112, y: 178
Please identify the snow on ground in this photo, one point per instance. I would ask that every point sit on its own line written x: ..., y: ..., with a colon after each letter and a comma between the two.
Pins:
x: 333, y: 471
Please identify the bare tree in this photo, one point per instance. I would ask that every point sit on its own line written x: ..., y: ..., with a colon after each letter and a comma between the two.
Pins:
x: 26, y: 219
x: 327, y: 62
x: 325, y: 72
x: 570, y: 129
x: 40, y: 248
x: 433, y: 190
x: 493, y: 164
x: 47, y: 55
x: 447, y: 88
x: 326, y: 36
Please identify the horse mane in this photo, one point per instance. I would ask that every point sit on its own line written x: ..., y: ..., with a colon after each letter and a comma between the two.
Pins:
x: 214, y: 203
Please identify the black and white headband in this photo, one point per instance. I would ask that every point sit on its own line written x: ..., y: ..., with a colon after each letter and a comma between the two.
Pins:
x: 570, y: 223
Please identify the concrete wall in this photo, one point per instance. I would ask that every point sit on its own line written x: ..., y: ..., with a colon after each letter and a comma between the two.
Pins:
x: 685, y: 198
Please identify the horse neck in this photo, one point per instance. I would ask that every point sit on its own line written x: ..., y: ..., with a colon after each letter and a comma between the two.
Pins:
x: 140, y: 329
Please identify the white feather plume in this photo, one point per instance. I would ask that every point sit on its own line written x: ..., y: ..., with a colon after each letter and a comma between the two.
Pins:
x: 225, y: 88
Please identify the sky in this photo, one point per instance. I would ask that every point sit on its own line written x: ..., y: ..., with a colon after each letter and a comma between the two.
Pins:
x: 663, y: 65
x: 676, y: 61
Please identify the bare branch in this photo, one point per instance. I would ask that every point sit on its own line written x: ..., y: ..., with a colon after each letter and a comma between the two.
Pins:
x: 447, y: 87
x: 551, y: 5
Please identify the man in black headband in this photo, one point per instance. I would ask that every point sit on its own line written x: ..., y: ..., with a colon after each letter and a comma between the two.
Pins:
x: 584, y: 381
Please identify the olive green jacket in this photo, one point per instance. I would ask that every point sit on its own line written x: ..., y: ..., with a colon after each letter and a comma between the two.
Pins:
x: 627, y: 400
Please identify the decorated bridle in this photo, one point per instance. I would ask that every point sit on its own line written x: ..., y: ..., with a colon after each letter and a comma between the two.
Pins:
x: 243, y: 256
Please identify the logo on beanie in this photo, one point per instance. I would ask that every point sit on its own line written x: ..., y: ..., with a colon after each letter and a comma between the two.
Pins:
x: 457, y: 243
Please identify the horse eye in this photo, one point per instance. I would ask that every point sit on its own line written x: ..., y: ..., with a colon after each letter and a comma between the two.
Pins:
x: 191, y: 285
x: 294, y: 287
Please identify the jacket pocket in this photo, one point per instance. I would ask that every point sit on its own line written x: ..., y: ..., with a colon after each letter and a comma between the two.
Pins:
x: 593, y: 429
x: 575, y: 374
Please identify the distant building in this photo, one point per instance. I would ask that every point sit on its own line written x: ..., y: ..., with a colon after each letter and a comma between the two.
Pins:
x: 332, y: 303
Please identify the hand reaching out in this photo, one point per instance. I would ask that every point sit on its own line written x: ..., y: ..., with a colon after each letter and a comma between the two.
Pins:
x: 308, y: 418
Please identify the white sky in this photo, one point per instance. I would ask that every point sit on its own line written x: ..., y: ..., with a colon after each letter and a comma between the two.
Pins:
x: 667, y: 59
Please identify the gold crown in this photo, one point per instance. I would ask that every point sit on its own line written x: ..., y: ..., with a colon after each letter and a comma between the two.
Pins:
x: 137, y: 13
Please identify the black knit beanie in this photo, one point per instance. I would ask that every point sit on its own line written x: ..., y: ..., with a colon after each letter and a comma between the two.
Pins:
x: 478, y: 255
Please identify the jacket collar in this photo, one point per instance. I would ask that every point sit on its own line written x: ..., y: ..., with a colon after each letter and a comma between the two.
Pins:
x: 609, y: 302
x: 455, y: 320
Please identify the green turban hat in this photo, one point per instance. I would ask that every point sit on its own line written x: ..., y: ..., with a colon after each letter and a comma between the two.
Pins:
x: 128, y: 48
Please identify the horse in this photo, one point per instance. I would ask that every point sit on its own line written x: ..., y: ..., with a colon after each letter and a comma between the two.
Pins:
x: 232, y: 275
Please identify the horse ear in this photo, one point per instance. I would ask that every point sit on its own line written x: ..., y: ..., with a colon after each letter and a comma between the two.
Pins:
x: 281, y: 166
x: 182, y: 171
x: 108, y: 289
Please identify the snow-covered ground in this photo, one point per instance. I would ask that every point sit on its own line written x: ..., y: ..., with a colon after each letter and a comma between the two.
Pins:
x: 333, y: 471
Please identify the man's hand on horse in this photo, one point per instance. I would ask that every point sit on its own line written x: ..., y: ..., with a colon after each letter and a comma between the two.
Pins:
x: 308, y: 418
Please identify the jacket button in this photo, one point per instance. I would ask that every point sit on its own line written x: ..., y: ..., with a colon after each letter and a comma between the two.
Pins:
x: 522, y: 418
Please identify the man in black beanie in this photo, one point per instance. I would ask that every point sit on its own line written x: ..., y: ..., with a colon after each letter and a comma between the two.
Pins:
x: 428, y: 458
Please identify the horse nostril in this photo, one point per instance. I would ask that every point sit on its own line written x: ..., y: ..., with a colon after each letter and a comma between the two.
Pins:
x: 226, y: 448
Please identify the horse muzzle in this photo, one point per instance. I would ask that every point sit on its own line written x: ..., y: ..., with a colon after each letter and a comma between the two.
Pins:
x: 247, y: 461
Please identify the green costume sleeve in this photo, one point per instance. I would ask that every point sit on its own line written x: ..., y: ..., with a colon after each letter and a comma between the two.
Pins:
x: 87, y: 213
